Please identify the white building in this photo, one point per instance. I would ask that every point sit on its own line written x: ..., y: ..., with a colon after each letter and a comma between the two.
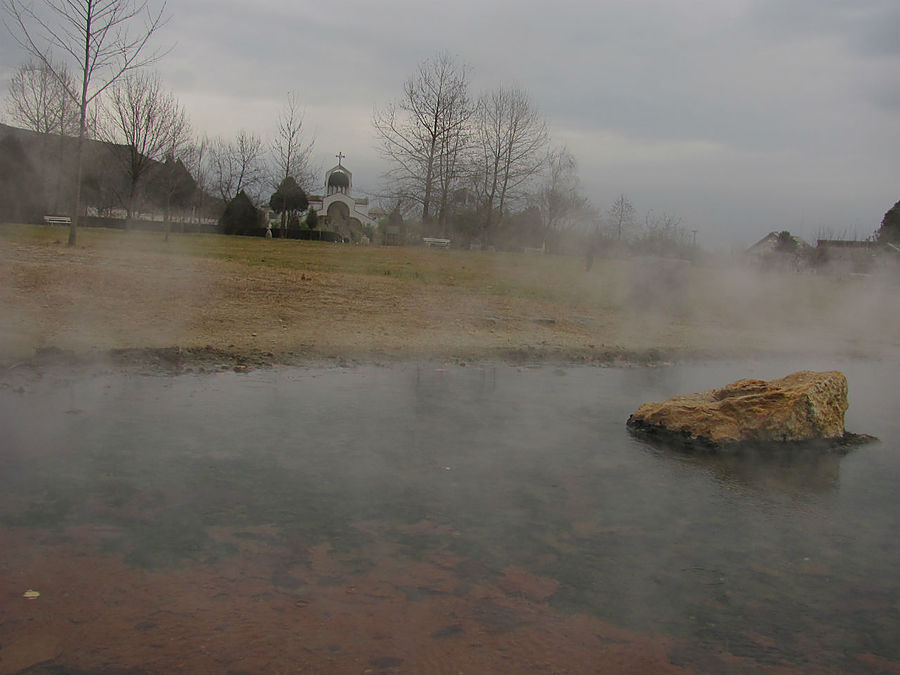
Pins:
x: 339, y: 210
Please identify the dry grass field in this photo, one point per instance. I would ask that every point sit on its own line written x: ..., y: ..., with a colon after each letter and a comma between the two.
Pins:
x: 273, y: 301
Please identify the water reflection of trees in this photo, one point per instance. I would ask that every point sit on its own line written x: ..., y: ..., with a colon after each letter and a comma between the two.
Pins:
x: 436, y: 390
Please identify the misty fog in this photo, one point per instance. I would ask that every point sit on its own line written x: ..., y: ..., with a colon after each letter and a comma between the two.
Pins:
x: 320, y: 327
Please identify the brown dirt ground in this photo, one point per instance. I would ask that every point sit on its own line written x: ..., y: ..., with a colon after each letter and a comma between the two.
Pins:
x: 87, y: 302
x: 177, y: 312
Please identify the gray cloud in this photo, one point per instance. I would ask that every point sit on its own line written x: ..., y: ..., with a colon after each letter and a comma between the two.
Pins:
x: 868, y: 27
x: 742, y: 115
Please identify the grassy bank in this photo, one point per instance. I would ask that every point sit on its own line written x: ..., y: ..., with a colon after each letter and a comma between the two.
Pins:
x: 295, y: 300
x: 531, y: 276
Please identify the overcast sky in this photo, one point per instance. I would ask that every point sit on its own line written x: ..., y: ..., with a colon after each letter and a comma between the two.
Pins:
x: 738, y: 116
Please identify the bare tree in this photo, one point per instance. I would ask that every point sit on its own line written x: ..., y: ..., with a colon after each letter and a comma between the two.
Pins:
x: 149, y: 123
x: 290, y: 151
x: 559, y: 199
x: 43, y: 102
x: 512, y: 139
x: 455, y: 152
x: 197, y: 159
x: 664, y: 234
x: 237, y: 165
x: 103, y: 38
x: 177, y: 183
x: 621, y: 216
x: 424, y: 133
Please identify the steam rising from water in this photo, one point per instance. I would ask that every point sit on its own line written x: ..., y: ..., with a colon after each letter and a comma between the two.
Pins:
x: 129, y: 289
x: 737, y: 307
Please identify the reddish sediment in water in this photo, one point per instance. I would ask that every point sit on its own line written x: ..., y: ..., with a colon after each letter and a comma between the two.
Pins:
x: 280, y: 606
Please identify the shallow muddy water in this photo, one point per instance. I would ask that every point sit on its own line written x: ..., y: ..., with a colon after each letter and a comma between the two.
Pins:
x: 421, y: 518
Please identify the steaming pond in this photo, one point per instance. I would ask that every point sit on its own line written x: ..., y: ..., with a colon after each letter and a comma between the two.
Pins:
x: 420, y: 518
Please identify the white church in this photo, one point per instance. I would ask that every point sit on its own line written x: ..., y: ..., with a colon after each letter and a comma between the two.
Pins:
x: 338, y: 209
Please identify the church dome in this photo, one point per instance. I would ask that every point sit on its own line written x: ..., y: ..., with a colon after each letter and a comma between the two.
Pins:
x: 338, y: 179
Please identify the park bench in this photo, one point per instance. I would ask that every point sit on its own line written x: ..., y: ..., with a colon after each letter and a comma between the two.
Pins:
x: 57, y: 220
x: 431, y: 242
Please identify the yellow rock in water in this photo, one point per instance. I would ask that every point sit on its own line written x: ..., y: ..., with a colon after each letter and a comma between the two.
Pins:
x: 804, y: 406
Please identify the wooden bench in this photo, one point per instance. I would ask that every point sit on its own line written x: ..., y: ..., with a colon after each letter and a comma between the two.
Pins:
x: 57, y: 220
x: 431, y: 242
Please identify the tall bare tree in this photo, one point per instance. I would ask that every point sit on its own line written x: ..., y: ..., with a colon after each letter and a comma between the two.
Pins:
x: 197, y: 160
x: 44, y: 102
x: 512, y: 139
x: 456, y: 144
x: 560, y: 202
x: 290, y: 150
x: 103, y: 39
x: 174, y: 187
x: 176, y: 182
x: 149, y: 123
x: 424, y: 133
x: 237, y: 165
x: 621, y: 216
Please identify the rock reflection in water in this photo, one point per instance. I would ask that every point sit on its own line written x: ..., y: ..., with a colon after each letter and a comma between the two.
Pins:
x: 790, y: 472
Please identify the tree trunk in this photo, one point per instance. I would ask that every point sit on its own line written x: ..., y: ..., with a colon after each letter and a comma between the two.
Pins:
x: 76, y: 209
x: 79, y: 153
x: 429, y: 179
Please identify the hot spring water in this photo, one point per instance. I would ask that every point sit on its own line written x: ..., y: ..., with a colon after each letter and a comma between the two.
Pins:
x: 778, y: 561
